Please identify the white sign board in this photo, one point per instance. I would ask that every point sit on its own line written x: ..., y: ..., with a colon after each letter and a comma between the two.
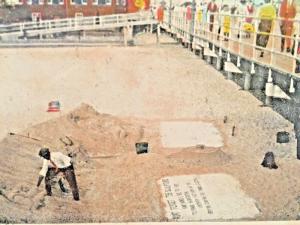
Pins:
x: 178, y: 134
x: 205, y: 197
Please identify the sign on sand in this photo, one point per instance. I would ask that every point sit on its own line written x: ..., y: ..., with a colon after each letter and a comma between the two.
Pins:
x: 205, y: 197
x: 179, y: 134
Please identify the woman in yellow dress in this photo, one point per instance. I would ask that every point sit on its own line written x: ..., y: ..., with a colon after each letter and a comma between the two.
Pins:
x: 226, y: 21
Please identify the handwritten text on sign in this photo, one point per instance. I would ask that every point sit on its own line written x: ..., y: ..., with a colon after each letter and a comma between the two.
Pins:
x: 189, y: 198
x: 205, y: 197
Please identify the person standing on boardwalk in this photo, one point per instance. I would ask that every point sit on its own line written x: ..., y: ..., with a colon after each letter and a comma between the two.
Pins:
x: 202, y: 12
x: 248, y: 25
x: 266, y: 15
x: 97, y: 18
x: 225, y: 22
x: 160, y: 14
x: 249, y: 11
x: 287, y: 13
x: 202, y: 15
x: 54, y: 163
x: 212, y: 8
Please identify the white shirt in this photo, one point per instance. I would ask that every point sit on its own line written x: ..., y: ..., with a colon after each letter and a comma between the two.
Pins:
x: 60, y: 160
x: 241, y: 9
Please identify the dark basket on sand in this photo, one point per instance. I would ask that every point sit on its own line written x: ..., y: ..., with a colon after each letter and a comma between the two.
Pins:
x: 283, y: 137
x: 141, y: 147
x: 269, y: 161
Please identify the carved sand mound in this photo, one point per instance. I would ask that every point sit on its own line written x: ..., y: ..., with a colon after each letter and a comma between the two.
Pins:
x: 99, y: 134
x: 85, y: 134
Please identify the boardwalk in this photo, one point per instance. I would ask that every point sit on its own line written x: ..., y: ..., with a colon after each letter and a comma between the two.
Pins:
x: 237, y: 43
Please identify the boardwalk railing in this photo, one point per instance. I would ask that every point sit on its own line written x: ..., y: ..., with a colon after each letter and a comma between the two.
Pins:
x: 74, y: 24
x: 234, y: 35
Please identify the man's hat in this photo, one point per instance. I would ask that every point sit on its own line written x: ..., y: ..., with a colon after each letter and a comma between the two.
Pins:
x: 44, y: 152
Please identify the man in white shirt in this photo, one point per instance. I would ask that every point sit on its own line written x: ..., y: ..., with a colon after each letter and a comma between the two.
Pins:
x: 54, y: 163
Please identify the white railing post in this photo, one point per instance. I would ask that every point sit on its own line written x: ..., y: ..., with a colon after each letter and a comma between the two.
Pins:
x: 255, y: 33
x: 21, y: 27
x: 240, y: 43
x: 70, y: 23
x: 273, y: 42
x: 269, y: 89
x: 292, y: 88
x: 228, y: 57
x: 220, y: 35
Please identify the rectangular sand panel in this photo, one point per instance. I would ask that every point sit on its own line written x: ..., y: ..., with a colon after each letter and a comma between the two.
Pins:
x: 205, y: 197
x: 180, y: 134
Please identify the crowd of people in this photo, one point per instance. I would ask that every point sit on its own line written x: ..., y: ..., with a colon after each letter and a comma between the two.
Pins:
x: 241, y: 15
x: 245, y: 16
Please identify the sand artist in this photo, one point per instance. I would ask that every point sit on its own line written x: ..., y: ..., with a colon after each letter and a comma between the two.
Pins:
x: 53, y: 164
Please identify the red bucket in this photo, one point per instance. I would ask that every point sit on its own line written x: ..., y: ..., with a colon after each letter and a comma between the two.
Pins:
x: 53, y: 106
